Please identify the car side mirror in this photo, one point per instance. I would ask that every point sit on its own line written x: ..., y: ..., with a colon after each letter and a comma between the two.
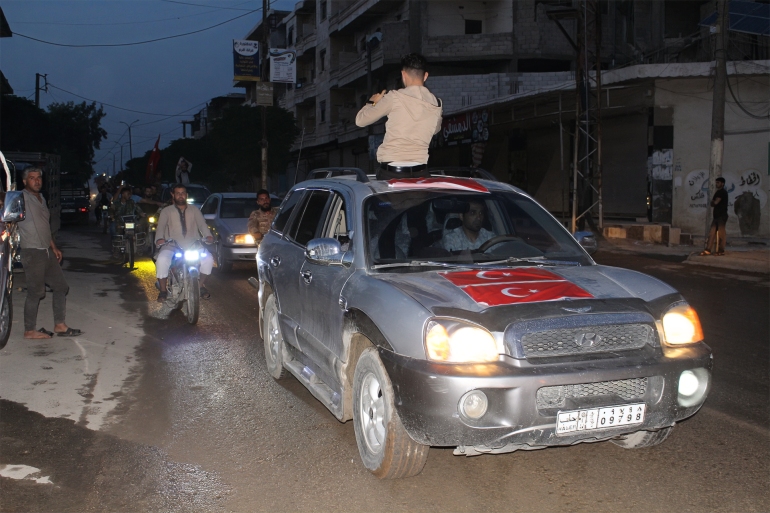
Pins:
x: 588, y: 241
x: 326, y: 251
x: 13, y: 210
x: 209, y: 217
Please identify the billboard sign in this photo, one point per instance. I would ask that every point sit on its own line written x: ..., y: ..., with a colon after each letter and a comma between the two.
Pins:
x: 283, y: 66
x: 469, y: 127
x: 246, y: 60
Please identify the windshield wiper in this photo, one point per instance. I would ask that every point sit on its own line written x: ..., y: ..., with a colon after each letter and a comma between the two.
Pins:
x: 417, y: 263
x: 530, y: 260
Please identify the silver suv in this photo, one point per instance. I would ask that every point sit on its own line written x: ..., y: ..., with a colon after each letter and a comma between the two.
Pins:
x: 458, y: 312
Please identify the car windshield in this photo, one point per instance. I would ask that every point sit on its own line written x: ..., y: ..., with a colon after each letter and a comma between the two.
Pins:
x: 421, y: 227
x: 236, y: 208
x: 197, y: 195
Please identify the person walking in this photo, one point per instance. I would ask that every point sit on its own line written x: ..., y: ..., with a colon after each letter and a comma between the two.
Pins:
x: 414, y: 117
x: 718, y: 232
x: 41, y: 260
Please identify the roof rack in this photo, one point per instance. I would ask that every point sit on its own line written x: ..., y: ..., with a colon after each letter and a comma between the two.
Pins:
x: 331, y: 172
x: 463, y: 172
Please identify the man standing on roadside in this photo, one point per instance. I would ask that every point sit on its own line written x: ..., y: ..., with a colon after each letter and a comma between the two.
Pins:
x: 41, y: 260
x: 414, y: 116
x: 718, y: 232
x: 261, y: 219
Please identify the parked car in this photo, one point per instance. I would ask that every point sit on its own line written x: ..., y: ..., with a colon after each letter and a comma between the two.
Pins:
x: 371, y: 298
x: 75, y: 209
x: 196, y: 194
x: 227, y: 215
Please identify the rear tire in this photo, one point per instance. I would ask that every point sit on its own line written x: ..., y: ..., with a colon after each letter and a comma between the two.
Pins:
x: 6, y: 319
x: 386, y: 449
x: 130, y: 253
x: 193, y: 299
x: 272, y: 338
x: 642, y: 439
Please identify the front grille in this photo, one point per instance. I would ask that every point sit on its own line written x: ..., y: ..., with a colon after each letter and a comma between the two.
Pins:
x: 626, y: 389
x: 591, y: 339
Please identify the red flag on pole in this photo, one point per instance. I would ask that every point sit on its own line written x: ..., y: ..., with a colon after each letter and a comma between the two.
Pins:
x: 152, y: 164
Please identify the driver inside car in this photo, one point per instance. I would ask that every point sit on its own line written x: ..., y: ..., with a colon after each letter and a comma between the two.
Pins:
x: 470, y: 234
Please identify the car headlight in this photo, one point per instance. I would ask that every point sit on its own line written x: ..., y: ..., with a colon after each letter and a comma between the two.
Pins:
x: 241, y: 238
x: 152, y: 219
x: 451, y: 341
x: 682, y: 326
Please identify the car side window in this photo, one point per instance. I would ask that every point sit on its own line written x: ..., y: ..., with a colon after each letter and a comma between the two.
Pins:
x: 336, y: 225
x: 307, y: 225
x: 210, y: 207
x: 287, y: 207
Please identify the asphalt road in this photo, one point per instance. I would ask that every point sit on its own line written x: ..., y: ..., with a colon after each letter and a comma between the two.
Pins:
x: 197, y: 424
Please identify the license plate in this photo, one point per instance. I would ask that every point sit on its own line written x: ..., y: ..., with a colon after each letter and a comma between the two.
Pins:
x: 575, y: 421
x: 67, y: 210
x: 129, y: 226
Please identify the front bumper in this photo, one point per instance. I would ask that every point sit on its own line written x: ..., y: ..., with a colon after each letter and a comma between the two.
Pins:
x: 239, y: 253
x: 427, y: 397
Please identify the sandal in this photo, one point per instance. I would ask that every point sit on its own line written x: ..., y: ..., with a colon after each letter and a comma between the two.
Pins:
x: 705, y: 252
x: 205, y: 294
x: 71, y: 332
x: 162, y: 296
x: 45, y: 331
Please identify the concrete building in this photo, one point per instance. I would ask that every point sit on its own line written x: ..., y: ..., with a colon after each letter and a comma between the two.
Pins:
x: 505, y: 74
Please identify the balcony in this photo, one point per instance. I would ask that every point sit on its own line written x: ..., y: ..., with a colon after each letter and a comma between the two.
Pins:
x: 351, y: 17
x: 307, y: 40
x: 468, y: 47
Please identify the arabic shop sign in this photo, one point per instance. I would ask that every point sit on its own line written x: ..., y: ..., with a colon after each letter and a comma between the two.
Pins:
x: 466, y: 128
x: 246, y: 60
x: 283, y: 66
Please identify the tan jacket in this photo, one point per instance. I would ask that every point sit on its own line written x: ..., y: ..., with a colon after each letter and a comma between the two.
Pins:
x: 170, y: 225
x: 414, y: 116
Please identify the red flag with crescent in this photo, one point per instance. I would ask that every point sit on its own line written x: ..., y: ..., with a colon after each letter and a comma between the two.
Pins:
x: 152, y: 164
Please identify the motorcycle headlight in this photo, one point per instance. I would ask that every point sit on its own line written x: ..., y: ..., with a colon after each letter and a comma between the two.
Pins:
x: 152, y: 219
x: 241, y: 238
x: 451, y: 341
x: 191, y: 255
x: 682, y: 326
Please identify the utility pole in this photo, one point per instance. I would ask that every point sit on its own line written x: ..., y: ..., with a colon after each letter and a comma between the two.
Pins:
x: 37, y: 87
x: 130, y: 145
x: 265, y: 78
x: 718, y: 105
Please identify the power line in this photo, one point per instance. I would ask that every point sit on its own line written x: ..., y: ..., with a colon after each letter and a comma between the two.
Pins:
x: 58, y: 24
x: 136, y: 42
x: 204, y: 5
x: 110, y: 105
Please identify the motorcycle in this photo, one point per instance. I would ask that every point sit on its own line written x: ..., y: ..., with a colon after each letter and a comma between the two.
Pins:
x: 129, y: 240
x: 152, y: 227
x: 183, y: 284
x: 12, y: 212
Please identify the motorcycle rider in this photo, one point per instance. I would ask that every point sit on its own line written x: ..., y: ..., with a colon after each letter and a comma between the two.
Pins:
x: 123, y: 206
x: 184, y: 224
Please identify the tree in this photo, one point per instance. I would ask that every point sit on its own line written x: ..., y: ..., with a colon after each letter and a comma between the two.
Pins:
x: 76, y: 132
x: 23, y: 126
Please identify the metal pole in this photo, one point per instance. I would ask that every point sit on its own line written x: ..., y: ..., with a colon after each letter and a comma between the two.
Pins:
x: 264, y: 109
x: 575, y: 145
x: 565, y: 190
x: 718, y: 106
x: 130, y: 144
x: 37, y: 89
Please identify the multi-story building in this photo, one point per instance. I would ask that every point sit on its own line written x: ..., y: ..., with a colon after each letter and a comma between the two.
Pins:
x: 512, y: 65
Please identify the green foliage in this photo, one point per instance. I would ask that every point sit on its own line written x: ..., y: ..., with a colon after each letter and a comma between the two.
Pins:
x: 69, y: 130
x: 231, y: 153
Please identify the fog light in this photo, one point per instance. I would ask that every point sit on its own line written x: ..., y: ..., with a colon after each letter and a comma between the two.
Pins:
x: 693, y: 387
x: 474, y: 404
x: 688, y: 383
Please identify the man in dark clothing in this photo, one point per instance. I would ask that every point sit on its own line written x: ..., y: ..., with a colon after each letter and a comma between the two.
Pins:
x: 717, y: 233
x: 42, y: 261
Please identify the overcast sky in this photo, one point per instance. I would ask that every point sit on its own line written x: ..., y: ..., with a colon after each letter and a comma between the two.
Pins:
x: 174, y: 76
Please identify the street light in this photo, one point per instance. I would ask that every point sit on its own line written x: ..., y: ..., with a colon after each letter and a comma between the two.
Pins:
x: 130, y: 146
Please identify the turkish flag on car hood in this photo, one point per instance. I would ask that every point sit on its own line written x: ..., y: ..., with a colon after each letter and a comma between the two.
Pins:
x: 152, y: 164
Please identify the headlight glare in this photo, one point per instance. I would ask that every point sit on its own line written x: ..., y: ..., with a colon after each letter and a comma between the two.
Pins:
x: 454, y: 342
x: 241, y: 238
x: 191, y: 255
x: 682, y: 326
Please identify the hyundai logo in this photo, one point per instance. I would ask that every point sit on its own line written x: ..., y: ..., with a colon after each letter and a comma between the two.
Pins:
x: 587, y: 339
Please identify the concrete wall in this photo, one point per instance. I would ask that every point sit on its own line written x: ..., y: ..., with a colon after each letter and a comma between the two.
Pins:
x: 447, y: 18
x: 745, y: 166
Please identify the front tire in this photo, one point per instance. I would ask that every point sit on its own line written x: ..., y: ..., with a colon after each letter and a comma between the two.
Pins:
x: 386, y: 449
x: 223, y: 264
x: 6, y: 319
x: 193, y: 299
x: 273, y: 341
x: 642, y: 439
x: 130, y: 253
